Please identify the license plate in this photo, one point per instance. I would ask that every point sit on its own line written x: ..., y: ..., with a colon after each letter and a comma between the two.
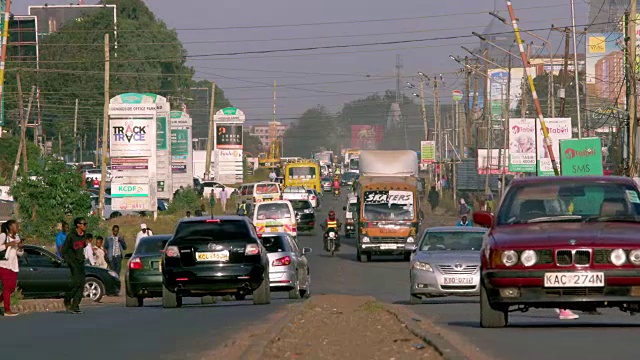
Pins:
x: 213, y: 256
x: 155, y: 265
x: 458, y: 280
x: 274, y: 229
x: 387, y: 246
x: 567, y: 279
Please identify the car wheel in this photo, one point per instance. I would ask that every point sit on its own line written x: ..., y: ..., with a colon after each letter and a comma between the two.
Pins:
x: 262, y: 295
x: 368, y: 255
x: 179, y: 301
x: 114, y: 215
x: 207, y: 300
x: 240, y: 297
x: 169, y: 299
x: 415, y: 299
x: 295, y: 292
x: 489, y: 317
x: 93, y: 289
x: 131, y: 301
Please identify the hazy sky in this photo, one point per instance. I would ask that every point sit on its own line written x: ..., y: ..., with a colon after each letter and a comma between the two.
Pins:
x: 331, y: 77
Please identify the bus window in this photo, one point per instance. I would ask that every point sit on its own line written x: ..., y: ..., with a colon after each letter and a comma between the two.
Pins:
x: 302, y: 173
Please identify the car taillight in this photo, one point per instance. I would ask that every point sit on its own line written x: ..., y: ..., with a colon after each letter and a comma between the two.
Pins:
x: 252, y: 249
x: 283, y: 261
x: 135, y: 264
x: 172, y: 251
x: 313, y: 197
x: 212, y: 220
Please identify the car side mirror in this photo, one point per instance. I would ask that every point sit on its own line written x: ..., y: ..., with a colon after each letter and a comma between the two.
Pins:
x: 127, y: 256
x: 483, y: 218
x: 410, y: 247
x: 306, y: 250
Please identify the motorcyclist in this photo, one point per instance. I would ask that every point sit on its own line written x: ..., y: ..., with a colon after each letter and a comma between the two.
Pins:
x: 336, y: 184
x: 331, y: 222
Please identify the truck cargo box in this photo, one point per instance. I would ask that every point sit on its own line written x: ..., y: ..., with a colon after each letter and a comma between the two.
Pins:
x: 388, y: 163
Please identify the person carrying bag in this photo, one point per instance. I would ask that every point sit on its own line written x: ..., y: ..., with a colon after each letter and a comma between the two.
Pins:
x: 10, y: 249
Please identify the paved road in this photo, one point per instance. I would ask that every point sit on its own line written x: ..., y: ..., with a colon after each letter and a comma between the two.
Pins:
x: 153, y: 332
x: 535, y: 335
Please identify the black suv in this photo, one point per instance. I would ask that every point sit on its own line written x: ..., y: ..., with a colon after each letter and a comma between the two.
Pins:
x: 305, y: 214
x: 218, y: 256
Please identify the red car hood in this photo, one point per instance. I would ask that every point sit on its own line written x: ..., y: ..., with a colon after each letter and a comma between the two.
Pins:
x: 558, y: 234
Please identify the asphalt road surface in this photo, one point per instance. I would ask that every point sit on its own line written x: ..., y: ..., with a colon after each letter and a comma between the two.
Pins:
x: 113, y: 331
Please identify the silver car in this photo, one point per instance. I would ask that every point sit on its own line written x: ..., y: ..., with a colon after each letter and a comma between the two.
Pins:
x: 446, y: 261
x: 288, y: 265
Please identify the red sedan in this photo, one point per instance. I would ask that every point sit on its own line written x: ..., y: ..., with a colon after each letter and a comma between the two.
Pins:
x: 563, y: 242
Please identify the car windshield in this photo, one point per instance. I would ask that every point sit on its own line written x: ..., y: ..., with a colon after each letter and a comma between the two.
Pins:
x: 452, y: 241
x: 353, y: 207
x: 302, y: 172
x: 301, y: 205
x: 152, y: 244
x: 383, y: 205
x: 327, y: 179
x: 277, y: 243
x: 580, y: 201
x: 273, y: 211
x: 349, y: 176
x: 269, y: 188
x: 219, y: 230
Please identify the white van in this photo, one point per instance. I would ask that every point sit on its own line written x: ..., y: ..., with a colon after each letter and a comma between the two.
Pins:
x: 256, y: 193
x: 351, y: 214
x: 275, y: 216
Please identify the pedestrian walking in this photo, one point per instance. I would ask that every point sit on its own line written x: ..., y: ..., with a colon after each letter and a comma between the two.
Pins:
x: 433, y: 198
x: 73, y: 254
x: 144, y: 232
x: 212, y: 200
x: 272, y: 175
x: 224, y: 195
x: 100, y: 253
x: 115, y: 247
x: 10, y: 249
x: 61, y: 237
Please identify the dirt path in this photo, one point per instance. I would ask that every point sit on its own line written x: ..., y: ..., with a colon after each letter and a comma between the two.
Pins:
x: 346, y: 327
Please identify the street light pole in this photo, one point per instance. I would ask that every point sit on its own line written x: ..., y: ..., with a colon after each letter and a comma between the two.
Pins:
x: 575, y: 65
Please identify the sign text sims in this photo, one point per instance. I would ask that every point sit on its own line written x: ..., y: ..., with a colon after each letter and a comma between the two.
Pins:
x: 581, y: 157
x: 229, y: 136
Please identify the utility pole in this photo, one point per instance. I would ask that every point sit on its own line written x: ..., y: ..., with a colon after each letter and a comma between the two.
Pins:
x: 467, y: 106
x: 474, y: 104
x: 105, y: 124
x: 505, y: 128
x: 25, y: 166
x: 212, y: 126
x: 565, y: 70
x: 632, y: 100
x: 97, y: 158
x: 424, y: 111
x: 437, y: 119
x: 3, y: 53
x: 23, y: 130
x: 487, y: 121
x: 575, y: 61
x: 75, y: 132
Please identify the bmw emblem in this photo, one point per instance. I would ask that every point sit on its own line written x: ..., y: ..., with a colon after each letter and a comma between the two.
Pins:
x: 572, y: 241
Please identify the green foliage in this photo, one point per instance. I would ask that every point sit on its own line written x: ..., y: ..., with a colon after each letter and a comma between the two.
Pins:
x: 184, y: 200
x: 16, y: 297
x: 9, y: 150
x: 316, y: 128
x: 53, y: 193
x: 251, y: 144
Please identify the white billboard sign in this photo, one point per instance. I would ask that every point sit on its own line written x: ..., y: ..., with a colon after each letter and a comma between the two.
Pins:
x: 559, y: 129
x: 522, y: 145
x: 132, y: 137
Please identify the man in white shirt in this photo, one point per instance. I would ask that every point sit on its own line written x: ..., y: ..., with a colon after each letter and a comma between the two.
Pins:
x: 144, y: 232
x: 272, y: 175
x: 90, y: 259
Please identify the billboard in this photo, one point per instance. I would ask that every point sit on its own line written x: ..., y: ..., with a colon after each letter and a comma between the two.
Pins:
x: 366, y: 137
x: 53, y: 17
x: 23, y: 41
x: 559, y: 129
x: 522, y: 145
x: 494, y: 165
x: 228, y: 136
x: 131, y: 137
x: 427, y: 152
x: 581, y: 157
x: 605, y: 68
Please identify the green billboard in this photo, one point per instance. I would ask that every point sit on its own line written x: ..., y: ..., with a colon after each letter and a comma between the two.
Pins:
x: 581, y: 157
x: 179, y: 142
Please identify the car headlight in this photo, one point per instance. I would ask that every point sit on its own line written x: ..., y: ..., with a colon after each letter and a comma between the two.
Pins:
x: 308, y: 211
x: 509, y: 257
x: 618, y: 257
x: 528, y: 258
x: 410, y: 239
x: 365, y: 239
x: 634, y: 257
x: 422, y: 266
x: 114, y: 274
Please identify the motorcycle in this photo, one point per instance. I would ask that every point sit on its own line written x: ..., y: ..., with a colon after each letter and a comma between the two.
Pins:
x: 336, y: 192
x: 332, y: 236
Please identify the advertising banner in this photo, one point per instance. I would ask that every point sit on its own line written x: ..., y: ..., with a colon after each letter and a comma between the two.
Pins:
x: 162, y: 133
x: 131, y: 137
x: 559, y: 129
x: 179, y: 143
x: 130, y: 190
x: 230, y: 155
x: 581, y: 157
x: 493, y: 165
x: 180, y: 119
x: 366, y: 137
x: 522, y: 145
x: 228, y: 136
x: 605, y: 68
x: 229, y: 115
x: 427, y: 152
x: 181, y: 150
x: 131, y: 203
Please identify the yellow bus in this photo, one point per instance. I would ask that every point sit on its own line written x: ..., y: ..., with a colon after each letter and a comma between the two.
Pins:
x: 306, y: 173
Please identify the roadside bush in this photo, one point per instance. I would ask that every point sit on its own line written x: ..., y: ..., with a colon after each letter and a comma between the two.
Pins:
x: 51, y: 194
x: 185, y: 200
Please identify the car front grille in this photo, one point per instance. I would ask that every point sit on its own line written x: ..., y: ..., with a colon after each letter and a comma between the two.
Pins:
x: 458, y: 270
x: 458, y: 287
x: 388, y: 239
x: 575, y: 291
x: 573, y: 257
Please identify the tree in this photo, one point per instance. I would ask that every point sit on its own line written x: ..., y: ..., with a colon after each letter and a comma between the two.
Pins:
x: 251, y: 144
x: 9, y: 150
x: 314, y: 129
x: 149, y: 58
x: 51, y: 195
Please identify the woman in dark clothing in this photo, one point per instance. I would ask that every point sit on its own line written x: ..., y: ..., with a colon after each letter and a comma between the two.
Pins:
x: 433, y: 197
